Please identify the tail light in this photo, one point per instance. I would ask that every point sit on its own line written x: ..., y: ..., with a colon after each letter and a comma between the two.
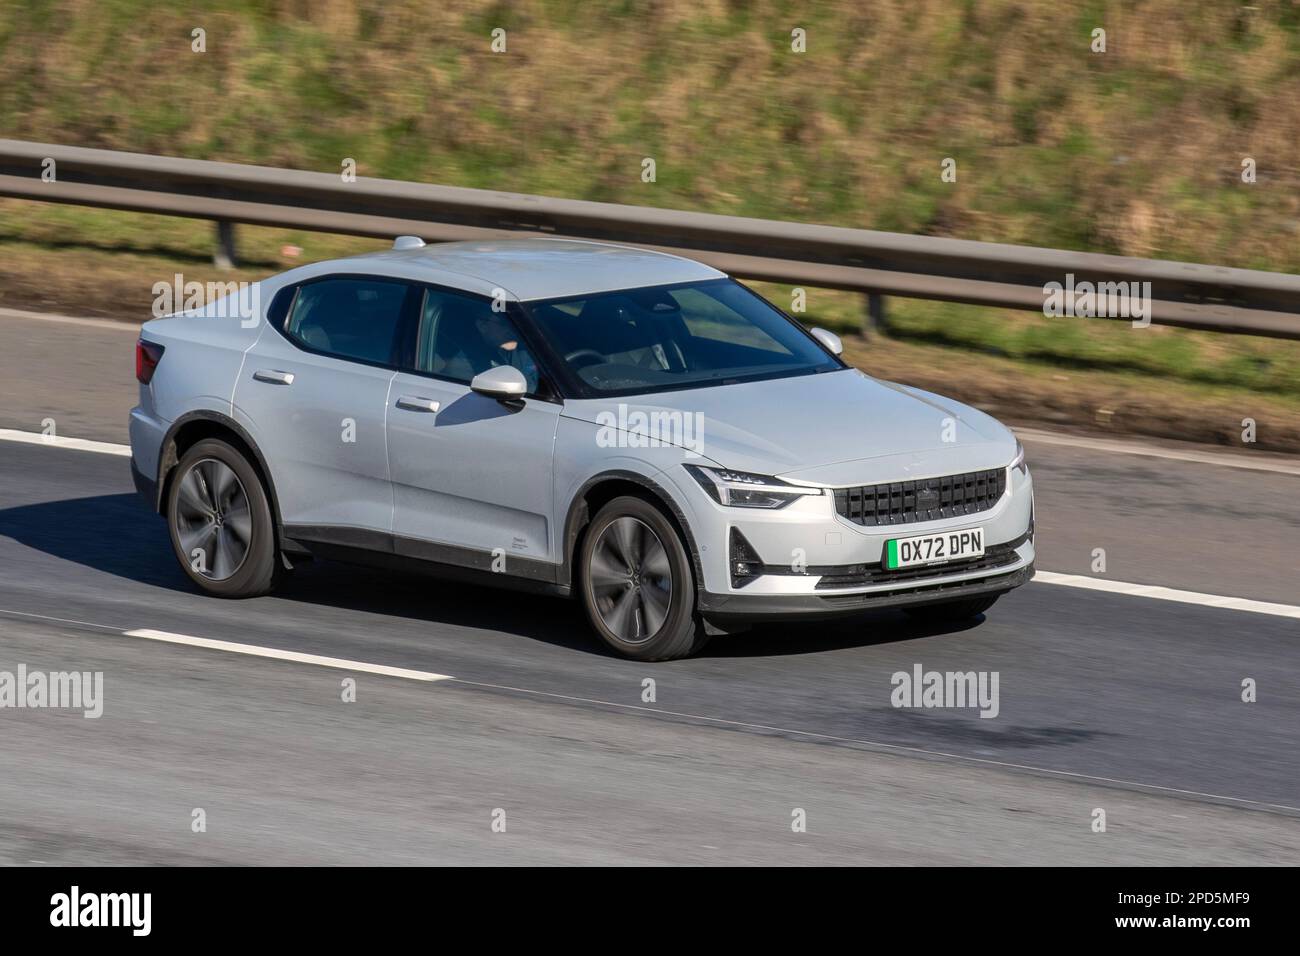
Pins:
x: 147, y: 356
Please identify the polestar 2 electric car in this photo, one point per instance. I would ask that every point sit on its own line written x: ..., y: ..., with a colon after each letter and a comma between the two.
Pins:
x: 631, y: 428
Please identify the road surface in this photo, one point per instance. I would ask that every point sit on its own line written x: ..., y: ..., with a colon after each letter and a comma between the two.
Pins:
x: 1108, y: 701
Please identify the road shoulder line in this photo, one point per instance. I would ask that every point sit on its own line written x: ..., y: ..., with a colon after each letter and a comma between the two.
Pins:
x: 1160, y: 593
x: 58, y: 441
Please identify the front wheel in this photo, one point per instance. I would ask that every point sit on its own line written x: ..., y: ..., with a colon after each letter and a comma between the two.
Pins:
x: 636, y: 583
x: 220, y: 522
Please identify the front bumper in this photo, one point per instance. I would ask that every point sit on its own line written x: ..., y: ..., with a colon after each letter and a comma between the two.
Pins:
x: 739, y: 607
x: 807, y: 560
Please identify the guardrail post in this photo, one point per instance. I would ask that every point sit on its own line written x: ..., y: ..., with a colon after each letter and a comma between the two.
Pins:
x: 875, y: 323
x: 224, y: 257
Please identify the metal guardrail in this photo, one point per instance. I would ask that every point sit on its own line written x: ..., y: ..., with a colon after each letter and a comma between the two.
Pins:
x: 878, y: 263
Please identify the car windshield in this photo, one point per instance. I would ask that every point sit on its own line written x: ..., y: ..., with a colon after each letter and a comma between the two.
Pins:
x: 676, y: 336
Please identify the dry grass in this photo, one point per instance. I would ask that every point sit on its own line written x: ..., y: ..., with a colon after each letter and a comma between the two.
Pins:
x: 1133, y: 151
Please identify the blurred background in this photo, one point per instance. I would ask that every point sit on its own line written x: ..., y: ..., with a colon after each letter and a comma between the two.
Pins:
x: 1135, y: 151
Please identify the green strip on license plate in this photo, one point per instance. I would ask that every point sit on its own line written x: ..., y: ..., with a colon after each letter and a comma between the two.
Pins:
x: 891, y: 554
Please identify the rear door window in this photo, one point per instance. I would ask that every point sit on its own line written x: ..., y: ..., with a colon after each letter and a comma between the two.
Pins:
x: 353, y: 318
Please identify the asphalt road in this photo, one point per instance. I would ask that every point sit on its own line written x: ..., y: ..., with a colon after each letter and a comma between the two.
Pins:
x: 543, y: 724
x: 1109, y: 701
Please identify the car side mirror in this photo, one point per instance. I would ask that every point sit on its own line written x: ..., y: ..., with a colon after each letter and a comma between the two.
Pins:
x: 504, y: 383
x: 830, y: 340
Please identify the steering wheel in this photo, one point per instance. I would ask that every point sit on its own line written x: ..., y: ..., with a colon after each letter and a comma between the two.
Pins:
x: 592, y: 354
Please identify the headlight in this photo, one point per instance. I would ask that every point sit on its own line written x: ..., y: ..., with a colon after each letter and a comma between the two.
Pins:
x: 740, y: 489
x: 1018, y: 463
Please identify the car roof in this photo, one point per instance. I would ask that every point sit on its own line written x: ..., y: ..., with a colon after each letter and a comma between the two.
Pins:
x: 530, y: 269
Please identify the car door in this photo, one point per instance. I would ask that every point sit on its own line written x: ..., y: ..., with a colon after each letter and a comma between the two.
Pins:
x: 314, y: 394
x: 471, y: 474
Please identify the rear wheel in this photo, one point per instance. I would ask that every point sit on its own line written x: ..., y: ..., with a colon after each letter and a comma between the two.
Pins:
x: 954, y: 612
x: 220, y: 522
x: 636, y: 583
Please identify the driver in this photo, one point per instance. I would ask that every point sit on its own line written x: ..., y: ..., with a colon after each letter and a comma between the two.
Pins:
x: 502, y: 344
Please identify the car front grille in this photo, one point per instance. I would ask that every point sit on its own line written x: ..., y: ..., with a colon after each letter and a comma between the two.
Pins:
x: 930, y: 499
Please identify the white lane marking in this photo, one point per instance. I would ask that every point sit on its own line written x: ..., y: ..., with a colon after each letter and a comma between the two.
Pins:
x: 1158, y: 593
x: 58, y: 441
x: 22, y: 315
x: 254, y: 650
x: 1245, y: 460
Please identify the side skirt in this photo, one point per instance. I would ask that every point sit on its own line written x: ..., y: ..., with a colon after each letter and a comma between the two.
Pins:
x: 395, y: 552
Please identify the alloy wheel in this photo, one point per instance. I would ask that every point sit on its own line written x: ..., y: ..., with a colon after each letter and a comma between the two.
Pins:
x: 631, y: 579
x: 213, y: 522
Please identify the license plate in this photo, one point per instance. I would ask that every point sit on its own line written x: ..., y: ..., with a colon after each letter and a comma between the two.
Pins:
x: 934, y: 548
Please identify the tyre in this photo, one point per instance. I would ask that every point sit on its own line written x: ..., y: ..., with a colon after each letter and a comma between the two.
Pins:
x: 636, y: 582
x: 220, y: 522
x: 953, y: 612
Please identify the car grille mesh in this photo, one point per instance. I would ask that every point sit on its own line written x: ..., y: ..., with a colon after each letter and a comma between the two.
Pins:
x: 905, y: 502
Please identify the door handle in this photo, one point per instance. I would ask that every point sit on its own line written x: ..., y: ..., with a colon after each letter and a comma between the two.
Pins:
x: 413, y: 403
x: 273, y: 376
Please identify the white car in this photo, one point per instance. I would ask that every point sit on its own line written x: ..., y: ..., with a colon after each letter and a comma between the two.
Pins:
x: 631, y: 428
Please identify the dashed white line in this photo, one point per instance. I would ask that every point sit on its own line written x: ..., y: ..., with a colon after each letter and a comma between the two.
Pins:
x: 250, y: 650
x: 1158, y: 593
x: 57, y: 441
x: 254, y: 650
